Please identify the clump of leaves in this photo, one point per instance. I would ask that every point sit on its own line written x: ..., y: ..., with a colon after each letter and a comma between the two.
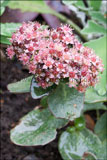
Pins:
x: 39, y: 126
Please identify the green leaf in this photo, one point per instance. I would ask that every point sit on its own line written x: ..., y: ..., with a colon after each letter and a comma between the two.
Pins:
x: 99, y: 46
x: 102, y: 151
x: 8, y: 28
x: 66, y: 102
x: 98, y: 16
x: 94, y: 106
x: 36, y: 128
x: 43, y: 101
x: 2, y: 9
x: 43, y: 27
x: 93, y: 28
x: 4, y: 2
x: 91, y: 96
x: 35, y: 6
x: 37, y: 91
x: 22, y: 86
x: 95, y: 4
x: 101, y: 127
x: 79, y: 123
x: 71, y: 129
x: 79, y: 4
x: 4, y: 40
x: 74, y: 145
x: 89, y: 156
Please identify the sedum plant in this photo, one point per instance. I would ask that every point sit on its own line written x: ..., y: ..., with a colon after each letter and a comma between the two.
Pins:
x: 62, y: 69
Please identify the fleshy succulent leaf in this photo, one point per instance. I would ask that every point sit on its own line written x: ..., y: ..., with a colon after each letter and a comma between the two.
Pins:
x: 94, y: 28
x: 66, y: 102
x: 22, y: 86
x: 77, y: 144
x: 101, y: 127
x: 36, y: 128
x: 91, y: 96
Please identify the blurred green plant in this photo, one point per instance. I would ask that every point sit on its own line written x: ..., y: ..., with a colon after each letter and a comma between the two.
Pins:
x: 41, y: 7
x: 35, y: 6
x: 3, y: 4
x: 96, y: 23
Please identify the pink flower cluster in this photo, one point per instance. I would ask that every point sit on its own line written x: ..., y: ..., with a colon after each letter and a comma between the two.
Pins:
x: 54, y: 54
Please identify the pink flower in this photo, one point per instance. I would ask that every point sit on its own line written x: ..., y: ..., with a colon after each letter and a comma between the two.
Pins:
x: 55, y: 54
x: 10, y: 52
x: 32, y: 68
x: 24, y: 58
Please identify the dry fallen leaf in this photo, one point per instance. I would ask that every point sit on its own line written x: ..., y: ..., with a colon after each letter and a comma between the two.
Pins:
x: 89, y: 122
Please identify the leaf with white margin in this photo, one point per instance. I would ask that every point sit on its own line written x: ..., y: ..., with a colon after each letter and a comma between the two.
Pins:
x: 74, y: 145
x: 66, y: 102
x: 36, y: 128
x: 37, y: 91
x: 79, y: 4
